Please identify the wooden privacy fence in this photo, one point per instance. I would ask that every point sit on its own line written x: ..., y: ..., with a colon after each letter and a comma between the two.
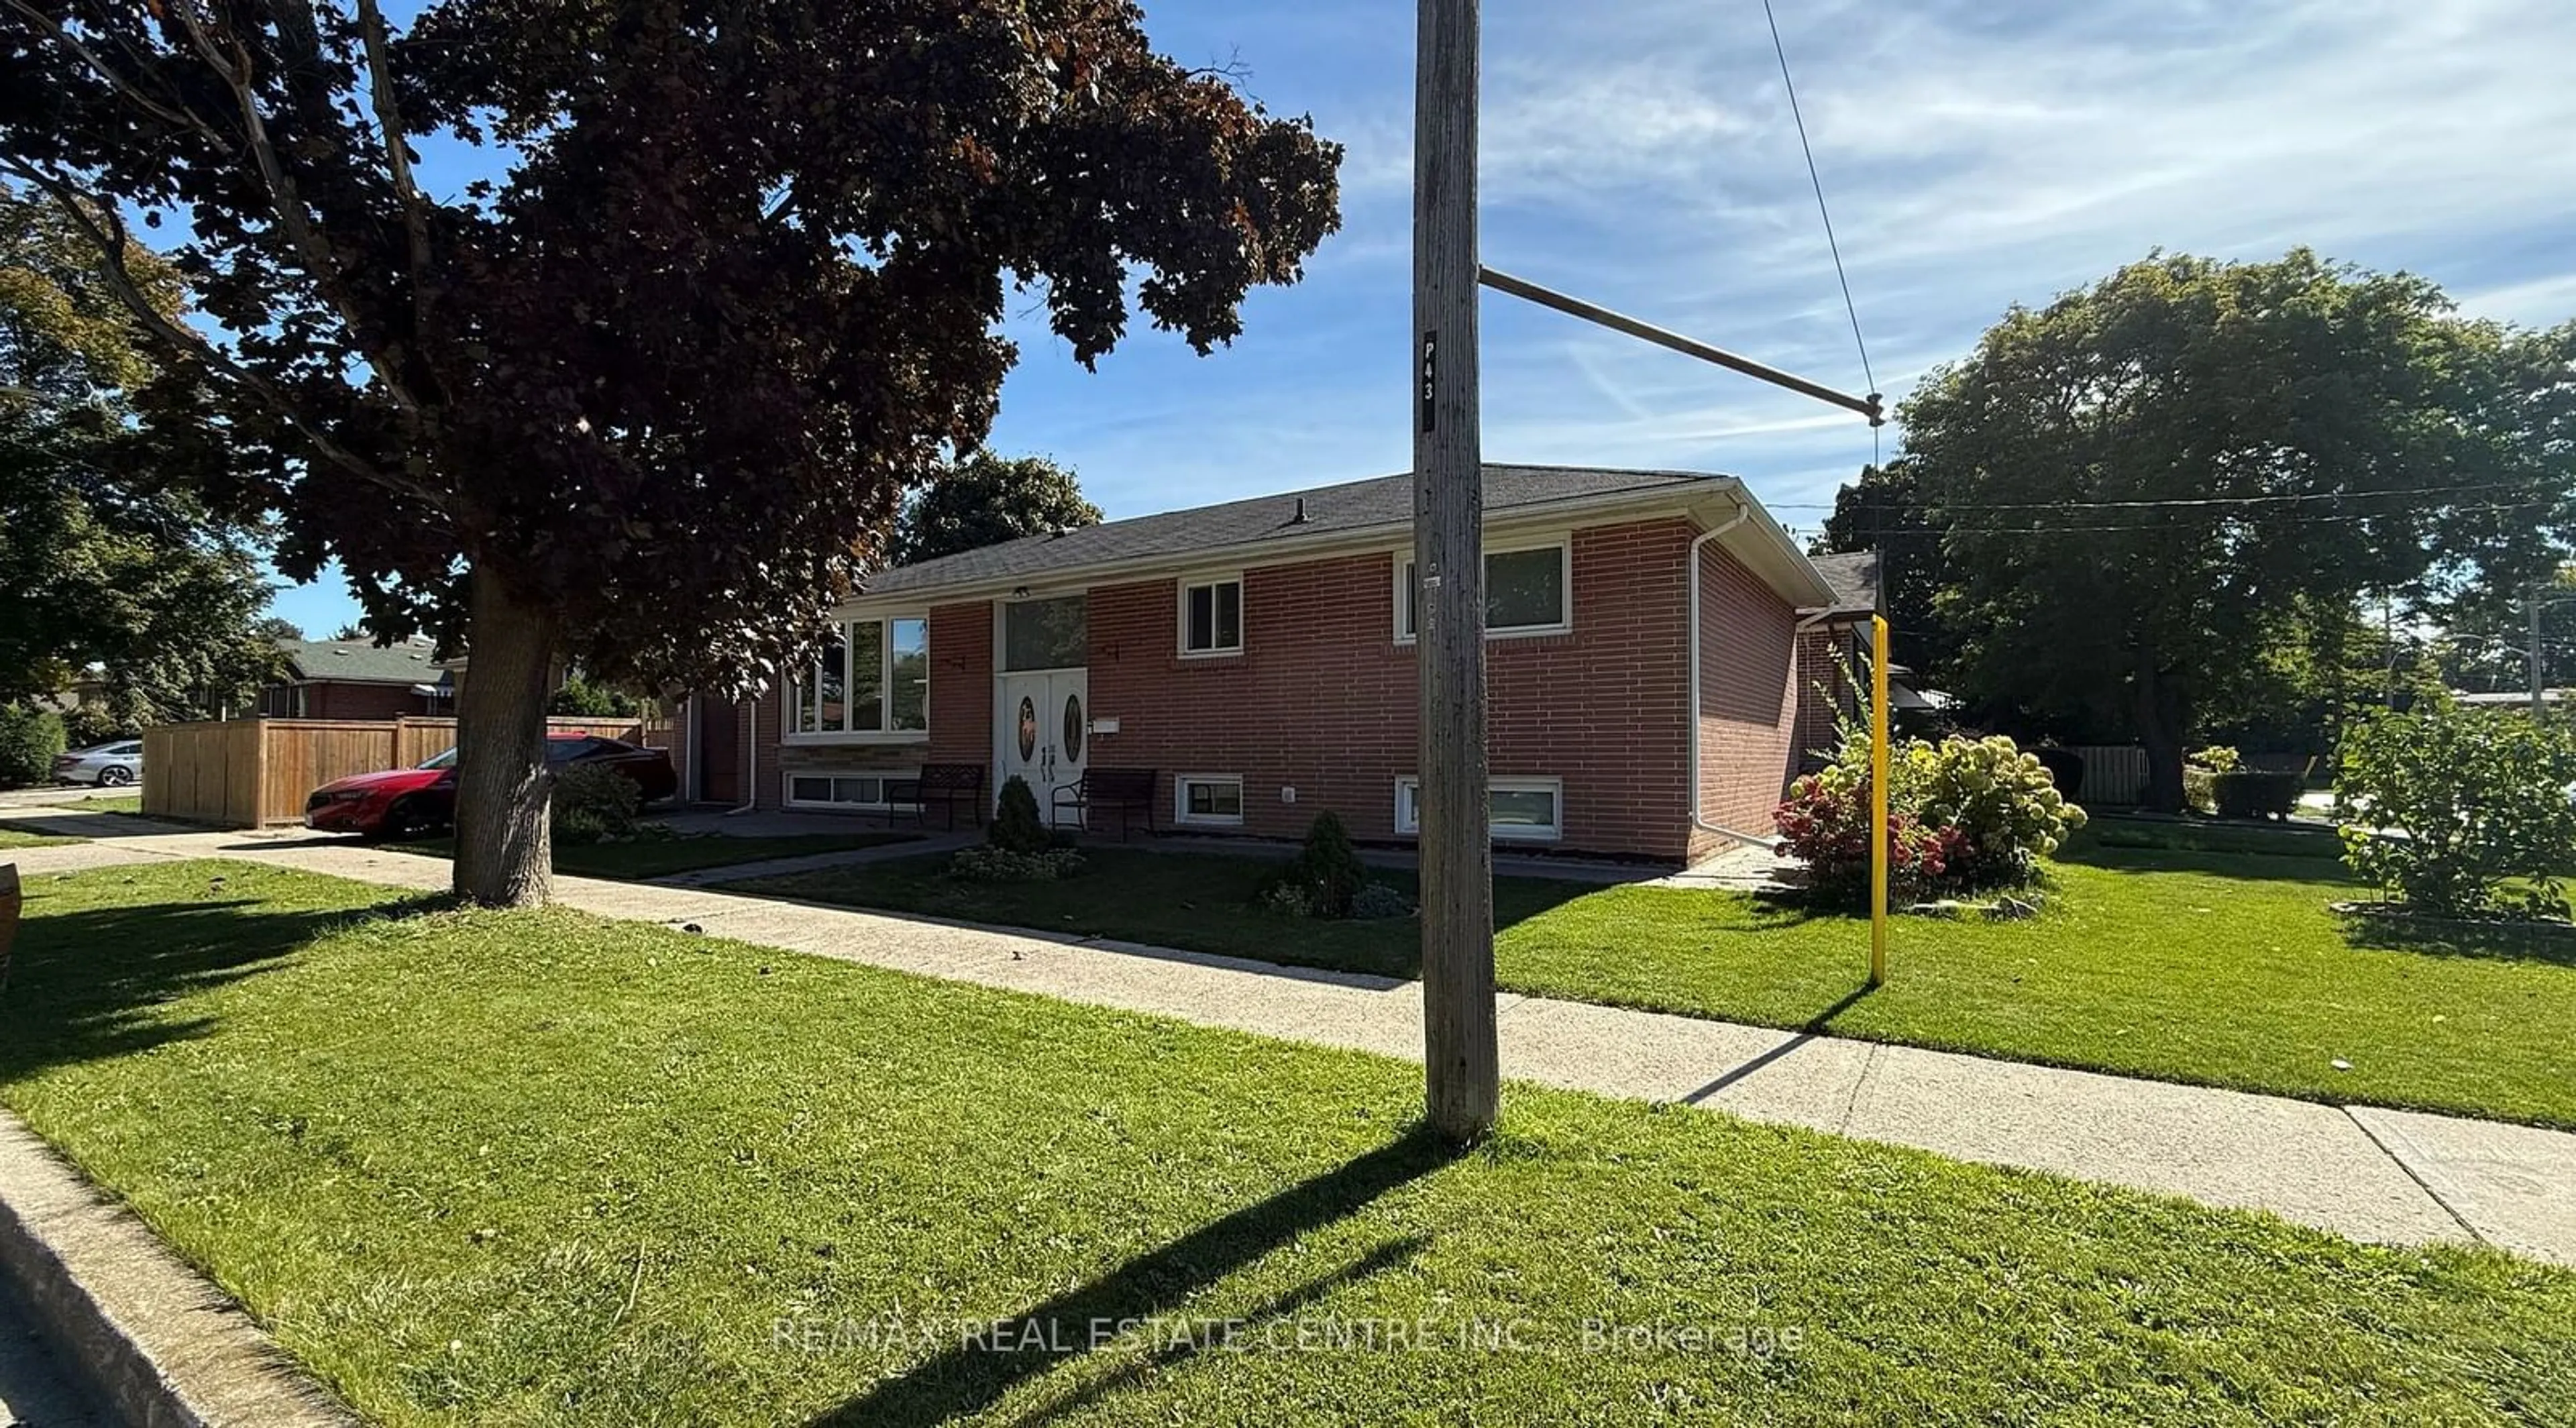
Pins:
x: 249, y: 773
x: 2115, y: 775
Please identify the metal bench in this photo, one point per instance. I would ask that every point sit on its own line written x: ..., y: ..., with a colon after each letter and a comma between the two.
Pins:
x: 1126, y: 790
x: 949, y: 785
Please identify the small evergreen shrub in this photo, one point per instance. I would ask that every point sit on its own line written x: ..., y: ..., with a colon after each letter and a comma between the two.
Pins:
x: 2244, y: 793
x: 29, y: 739
x: 992, y: 864
x: 1327, y: 872
x: 594, y: 803
x: 1016, y: 827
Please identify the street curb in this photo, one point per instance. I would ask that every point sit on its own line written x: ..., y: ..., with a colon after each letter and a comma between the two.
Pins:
x: 146, y: 1335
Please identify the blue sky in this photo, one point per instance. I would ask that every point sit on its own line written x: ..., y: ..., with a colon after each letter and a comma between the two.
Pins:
x: 1640, y: 153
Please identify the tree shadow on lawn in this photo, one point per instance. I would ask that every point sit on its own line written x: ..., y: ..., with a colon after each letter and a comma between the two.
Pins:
x: 2442, y: 937
x: 978, y: 1371
x: 88, y: 985
x: 2244, y: 867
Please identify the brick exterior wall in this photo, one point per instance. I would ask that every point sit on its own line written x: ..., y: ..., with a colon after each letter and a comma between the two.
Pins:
x: 334, y: 699
x: 1749, y: 701
x: 1323, y: 700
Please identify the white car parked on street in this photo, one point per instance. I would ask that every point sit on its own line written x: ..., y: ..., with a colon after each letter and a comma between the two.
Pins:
x: 107, y: 765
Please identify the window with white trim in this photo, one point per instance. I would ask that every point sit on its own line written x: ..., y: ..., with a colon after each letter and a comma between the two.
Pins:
x: 1208, y: 799
x: 829, y: 790
x: 873, y: 678
x: 1528, y: 591
x: 1524, y: 810
x: 1212, y: 617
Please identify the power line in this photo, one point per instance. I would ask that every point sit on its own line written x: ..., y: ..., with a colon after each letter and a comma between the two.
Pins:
x: 2179, y: 501
x: 1832, y: 244
x: 2037, y: 528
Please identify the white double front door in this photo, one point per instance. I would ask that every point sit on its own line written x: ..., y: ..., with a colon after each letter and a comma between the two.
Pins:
x: 1043, y: 728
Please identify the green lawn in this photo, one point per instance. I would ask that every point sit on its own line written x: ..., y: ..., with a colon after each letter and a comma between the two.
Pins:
x: 19, y: 838
x: 653, y: 858
x: 2221, y: 970
x: 110, y: 803
x: 534, y: 1168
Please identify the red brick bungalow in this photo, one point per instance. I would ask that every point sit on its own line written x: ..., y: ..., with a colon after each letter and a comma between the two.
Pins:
x: 1645, y: 673
x: 358, y: 679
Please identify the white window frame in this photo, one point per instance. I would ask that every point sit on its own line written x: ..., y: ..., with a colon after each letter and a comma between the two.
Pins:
x: 1408, y: 797
x: 1242, y: 615
x: 787, y: 788
x: 1181, y: 801
x: 1563, y: 545
x: 804, y: 691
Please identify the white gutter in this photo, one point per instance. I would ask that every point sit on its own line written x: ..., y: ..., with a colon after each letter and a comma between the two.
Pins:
x: 750, y: 766
x: 1743, y: 513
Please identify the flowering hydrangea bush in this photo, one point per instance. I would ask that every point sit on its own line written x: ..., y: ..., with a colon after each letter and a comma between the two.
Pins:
x: 1963, y: 813
x: 1825, y: 823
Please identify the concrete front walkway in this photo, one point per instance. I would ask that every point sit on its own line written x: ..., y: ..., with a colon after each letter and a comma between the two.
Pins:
x: 2391, y: 1176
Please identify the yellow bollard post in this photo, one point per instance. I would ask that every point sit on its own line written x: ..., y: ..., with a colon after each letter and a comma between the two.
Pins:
x: 1878, y: 800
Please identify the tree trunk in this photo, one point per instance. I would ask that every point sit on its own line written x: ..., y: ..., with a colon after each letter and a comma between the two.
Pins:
x: 503, y: 856
x: 2160, y: 731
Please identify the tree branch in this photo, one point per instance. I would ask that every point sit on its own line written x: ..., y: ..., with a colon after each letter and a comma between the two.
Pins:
x: 110, y: 241
x: 54, y: 29
x: 380, y: 87
x: 287, y: 201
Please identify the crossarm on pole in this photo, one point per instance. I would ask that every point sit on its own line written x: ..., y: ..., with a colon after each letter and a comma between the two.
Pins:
x: 1871, y: 406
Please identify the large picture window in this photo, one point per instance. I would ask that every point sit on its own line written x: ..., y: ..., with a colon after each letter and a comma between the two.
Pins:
x: 1047, y: 634
x: 873, y: 678
x: 1527, y: 592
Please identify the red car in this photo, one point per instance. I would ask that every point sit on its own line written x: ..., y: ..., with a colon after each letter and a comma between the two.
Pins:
x: 413, y: 803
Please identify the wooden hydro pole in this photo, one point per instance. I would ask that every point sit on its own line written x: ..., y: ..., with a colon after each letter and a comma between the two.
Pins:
x: 1462, y: 1064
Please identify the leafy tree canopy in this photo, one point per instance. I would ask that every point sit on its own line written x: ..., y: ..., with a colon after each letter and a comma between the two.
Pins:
x: 102, y: 562
x: 646, y: 397
x: 982, y: 499
x: 2149, y: 488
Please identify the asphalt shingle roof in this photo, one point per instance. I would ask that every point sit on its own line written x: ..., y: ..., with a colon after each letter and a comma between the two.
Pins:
x: 1854, y: 577
x: 362, y: 662
x: 1350, y: 506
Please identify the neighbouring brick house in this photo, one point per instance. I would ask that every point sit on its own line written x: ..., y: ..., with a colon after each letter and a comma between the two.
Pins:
x: 358, y: 679
x: 1832, y: 638
x: 1259, y: 657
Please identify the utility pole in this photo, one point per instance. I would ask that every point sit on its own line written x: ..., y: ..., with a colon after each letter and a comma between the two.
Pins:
x: 1462, y: 1066
x: 2531, y: 603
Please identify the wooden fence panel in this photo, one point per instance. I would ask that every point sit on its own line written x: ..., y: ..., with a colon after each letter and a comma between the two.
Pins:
x: 2115, y: 775
x: 247, y: 773
x: 304, y: 754
x: 207, y: 772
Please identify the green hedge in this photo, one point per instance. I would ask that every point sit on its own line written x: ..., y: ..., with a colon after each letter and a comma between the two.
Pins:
x: 2249, y: 794
x: 29, y: 739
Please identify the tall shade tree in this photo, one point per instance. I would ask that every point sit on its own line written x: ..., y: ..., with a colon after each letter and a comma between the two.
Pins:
x: 725, y: 281
x: 982, y: 499
x: 2149, y: 486
x: 104, y: 562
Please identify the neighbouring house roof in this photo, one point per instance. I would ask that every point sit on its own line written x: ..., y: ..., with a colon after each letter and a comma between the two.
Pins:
x: 1278, y: 526
x: 1854, y: 577
x: 361, y: 661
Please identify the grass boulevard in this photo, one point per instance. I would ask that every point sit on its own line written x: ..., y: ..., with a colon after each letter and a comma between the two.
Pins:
x: 534, y: 1167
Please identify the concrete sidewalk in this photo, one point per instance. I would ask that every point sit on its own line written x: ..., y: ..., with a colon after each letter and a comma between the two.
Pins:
x: 2390, y: 1176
